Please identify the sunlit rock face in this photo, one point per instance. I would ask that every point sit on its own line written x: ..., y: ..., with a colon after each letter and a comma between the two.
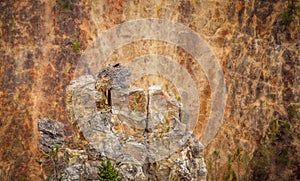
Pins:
x: 144, y: 131
x: 258, y: 55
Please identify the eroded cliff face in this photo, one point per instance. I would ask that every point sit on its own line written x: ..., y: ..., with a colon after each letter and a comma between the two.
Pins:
x: 42, y: 42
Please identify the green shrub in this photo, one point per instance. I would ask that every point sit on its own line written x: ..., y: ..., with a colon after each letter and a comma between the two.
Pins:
x: 76, y: 46
x: 107, y: 172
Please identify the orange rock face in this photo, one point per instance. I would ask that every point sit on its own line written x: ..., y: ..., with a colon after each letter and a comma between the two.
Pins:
x: 41, y: 44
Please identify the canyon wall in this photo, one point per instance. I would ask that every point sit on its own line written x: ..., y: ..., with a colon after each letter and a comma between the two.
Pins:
x: 42, y: 43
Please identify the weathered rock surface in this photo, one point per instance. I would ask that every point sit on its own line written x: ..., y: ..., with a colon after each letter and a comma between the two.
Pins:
x: 258, y: 54
x: 52, y: 134
x: 82, y: 165
x: 143, y: 135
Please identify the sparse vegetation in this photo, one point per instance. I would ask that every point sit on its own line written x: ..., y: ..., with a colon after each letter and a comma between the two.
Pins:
x: 235, y: 163
x: 213, y: 166
x: 107, y: 172
x: 22, y: 178
x: 240, y: 157
x: 292, y: 113
x: 209, y: 165
x: 178, y: 99
x: 273, y: 130
x: 272, y: 157
x: 65, y: 5
x: 216, y: 157
x: 290, y: 12
x: 229, y: 174
x: 55, y: 161
x: 76, y: 46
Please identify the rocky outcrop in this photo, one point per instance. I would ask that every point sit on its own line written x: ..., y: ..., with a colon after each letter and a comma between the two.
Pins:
x: 186, y: 164
x: 144, y: 133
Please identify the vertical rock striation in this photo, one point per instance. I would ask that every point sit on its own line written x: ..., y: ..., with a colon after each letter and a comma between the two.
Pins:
x: 41, y: 43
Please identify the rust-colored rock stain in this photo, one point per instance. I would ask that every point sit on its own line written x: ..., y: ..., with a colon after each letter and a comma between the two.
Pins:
x: 259, y: 57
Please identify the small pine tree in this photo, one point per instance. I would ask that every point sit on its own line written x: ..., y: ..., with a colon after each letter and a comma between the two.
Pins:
x: 107, y: 172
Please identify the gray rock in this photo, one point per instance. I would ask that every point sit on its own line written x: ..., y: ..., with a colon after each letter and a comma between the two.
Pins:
x: 52, y: 133
x: 144, y: 137
x: 73, y: 172
x: 117, y: 76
